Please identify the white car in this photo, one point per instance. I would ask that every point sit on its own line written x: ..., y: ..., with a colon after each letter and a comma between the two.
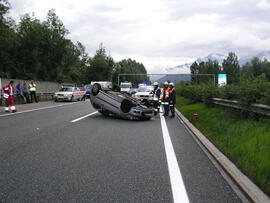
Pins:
x: 144, y: 92
x: 69, y: 94
x: 126, y: 87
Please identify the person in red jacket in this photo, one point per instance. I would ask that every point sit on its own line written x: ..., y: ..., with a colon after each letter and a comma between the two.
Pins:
x: 8, y: 95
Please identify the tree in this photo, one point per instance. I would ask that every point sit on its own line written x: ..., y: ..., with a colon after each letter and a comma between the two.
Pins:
x: 208, y: 67
x: 129, y: 66
x: 44, y: 52
x: 231, y: 67
x: 256, y: 67
x: 98, y: 68
x: 8, y: 42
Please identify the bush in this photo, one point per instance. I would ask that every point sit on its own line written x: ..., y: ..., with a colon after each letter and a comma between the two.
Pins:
x: 229, y: 92
x: 198, y: 93
x: 247, y: 92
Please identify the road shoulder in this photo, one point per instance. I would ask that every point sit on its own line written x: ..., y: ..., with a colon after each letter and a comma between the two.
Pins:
x: 253, y: 191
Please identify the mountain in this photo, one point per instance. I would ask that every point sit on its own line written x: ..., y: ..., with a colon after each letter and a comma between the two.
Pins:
x: 174, y: 78
x: 213, y: 57
x: 261, y: 56
x: 185, y: 68
x: 153, y: 78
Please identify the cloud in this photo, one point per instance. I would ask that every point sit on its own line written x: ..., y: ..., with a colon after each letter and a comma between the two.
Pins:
x: 264, y: 4
x: 161, y: 33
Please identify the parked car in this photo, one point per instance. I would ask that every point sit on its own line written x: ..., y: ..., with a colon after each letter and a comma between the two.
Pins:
x: 69, y: 94
x: 113, y: 103
x: 144, y: 92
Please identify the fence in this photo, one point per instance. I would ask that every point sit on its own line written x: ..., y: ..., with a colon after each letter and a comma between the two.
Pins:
x: 135, y: 79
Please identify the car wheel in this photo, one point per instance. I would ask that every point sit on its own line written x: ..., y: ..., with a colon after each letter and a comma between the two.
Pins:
x: 95, y: 89
x: 126, y: 106
x: 55, y: 100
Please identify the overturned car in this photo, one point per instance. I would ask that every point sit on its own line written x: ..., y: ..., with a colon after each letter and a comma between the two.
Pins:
x: 115, y: 103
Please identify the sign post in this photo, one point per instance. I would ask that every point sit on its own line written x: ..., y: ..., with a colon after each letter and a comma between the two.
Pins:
x: 222, y: 80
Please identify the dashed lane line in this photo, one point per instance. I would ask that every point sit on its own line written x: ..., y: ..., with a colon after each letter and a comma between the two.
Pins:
x: 78, y: 119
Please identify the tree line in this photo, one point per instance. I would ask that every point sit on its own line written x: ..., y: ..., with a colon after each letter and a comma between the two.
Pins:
x: 248, y: 84
x: 231, y: 67
x: 40, y: 50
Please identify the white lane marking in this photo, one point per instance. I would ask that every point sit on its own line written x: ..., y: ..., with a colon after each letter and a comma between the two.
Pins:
x: 26, y: 111
x: 78, y: 119
x: 177, y: 184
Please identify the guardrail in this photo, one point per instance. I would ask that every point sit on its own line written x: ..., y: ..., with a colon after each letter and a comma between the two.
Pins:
x: 45, y: 94
x: 256, y: 108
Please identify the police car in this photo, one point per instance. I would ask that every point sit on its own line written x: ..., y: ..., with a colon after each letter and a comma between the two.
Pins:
x: 69, y: 94
x: 144, y: 92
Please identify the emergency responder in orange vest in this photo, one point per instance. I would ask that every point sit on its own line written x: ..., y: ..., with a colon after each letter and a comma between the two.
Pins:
x: 165, y: 99
x: 8, y: 95
x: 172, y: 98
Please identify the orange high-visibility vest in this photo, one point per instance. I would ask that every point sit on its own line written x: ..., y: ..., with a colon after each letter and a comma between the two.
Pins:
x: 171, y: 90
x: 166, y: 94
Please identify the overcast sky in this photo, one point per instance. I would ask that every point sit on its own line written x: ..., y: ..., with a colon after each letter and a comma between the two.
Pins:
x: 160, y: 33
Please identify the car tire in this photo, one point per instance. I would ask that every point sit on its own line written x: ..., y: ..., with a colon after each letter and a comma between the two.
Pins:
x: 95, y: 89
x: 55, y: 100
x: 126, y: 106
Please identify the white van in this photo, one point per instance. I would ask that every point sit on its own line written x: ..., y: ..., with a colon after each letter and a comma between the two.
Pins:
x: 125, y: 87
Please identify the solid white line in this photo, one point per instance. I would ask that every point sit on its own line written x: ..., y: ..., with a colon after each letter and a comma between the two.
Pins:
x: 177, y: 184
x: 78, y: 119
x: 26, y: 111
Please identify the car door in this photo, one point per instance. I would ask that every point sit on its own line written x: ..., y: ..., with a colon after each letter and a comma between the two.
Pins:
x: 77, y: 93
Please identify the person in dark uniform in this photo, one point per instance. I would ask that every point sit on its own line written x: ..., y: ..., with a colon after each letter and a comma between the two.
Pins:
x: 156, y: 97
x: 172, y: 99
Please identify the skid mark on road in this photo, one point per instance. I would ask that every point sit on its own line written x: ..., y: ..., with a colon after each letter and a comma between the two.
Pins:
x: 78, y: 119
x: 177, y: 184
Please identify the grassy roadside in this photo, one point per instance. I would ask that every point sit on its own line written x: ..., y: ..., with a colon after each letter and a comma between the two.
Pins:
x: 244, y: 140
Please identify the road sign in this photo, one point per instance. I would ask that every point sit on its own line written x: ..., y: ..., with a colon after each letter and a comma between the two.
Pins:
x: 222, y: 80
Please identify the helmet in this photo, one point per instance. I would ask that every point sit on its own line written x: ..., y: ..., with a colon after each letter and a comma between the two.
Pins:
x: 171, y: 83
x: 156, y: 83
x: 166, y: 83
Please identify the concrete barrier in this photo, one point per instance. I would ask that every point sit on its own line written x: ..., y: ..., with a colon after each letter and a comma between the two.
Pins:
x: 42, y: 86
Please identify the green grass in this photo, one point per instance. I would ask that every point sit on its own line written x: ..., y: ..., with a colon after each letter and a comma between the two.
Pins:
x: 243, y: 139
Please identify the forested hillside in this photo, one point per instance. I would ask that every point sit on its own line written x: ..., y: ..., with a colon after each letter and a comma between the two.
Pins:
x: 41, y: 50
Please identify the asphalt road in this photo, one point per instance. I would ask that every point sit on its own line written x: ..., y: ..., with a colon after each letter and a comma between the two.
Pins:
x: 44, y: 157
